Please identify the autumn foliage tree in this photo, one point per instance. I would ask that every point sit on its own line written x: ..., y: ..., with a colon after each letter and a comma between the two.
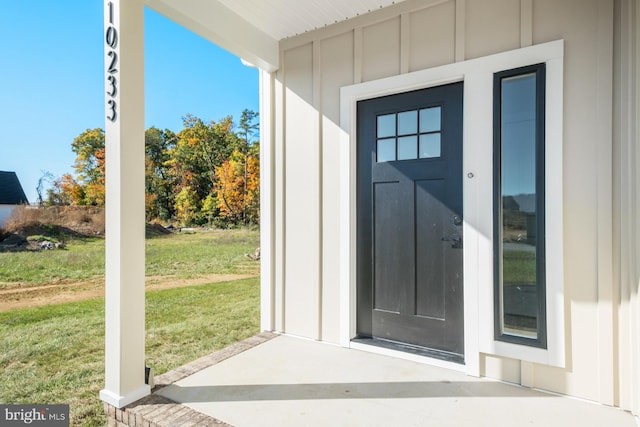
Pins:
x: 204, y: 174
x: 90, y: 165
x: 88, y: 188
x: 238, y: 188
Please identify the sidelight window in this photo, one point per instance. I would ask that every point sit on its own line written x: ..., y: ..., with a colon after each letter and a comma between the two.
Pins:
x: 519, y: 206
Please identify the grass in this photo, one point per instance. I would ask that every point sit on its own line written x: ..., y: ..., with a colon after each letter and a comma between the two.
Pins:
x: 519, y: 267
x: 189, y: 255
x: 180, y: 255
x: 80, y: 260
x: 55, y: 354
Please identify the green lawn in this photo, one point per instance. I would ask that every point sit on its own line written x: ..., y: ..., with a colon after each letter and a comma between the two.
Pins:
x: 80, y: 260
x: 181, y: 255
x: 55, y: 354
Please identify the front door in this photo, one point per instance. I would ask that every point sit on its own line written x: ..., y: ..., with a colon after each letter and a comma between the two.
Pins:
x: 409, y: 221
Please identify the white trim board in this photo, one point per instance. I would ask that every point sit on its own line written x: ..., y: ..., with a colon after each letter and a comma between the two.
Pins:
x: 477, y: 75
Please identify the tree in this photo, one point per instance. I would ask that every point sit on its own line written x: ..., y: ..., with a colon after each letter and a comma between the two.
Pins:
x: 46, y: 178
x: 239, y: 197
x: 249, y: 127
x: 209, y: 208
x: 66, y: 191
x: 90, y: 165
x: 159, y: 183
x: 200, y: 148
x: 186, y: 206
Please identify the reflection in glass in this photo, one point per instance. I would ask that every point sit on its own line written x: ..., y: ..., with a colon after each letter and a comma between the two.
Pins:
x: 518, y: 290
x: 430, y: 119
x: 407, y: 147
x: 430, y: 145
x: 386, y: 125
x: 386, y: 150
x: 408, y: 123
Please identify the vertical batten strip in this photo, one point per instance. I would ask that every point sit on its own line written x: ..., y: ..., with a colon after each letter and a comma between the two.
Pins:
x: 604, y: 106
x: 405, y: 42
x: 526, y: 23
x: 628, y: 187
x: 357, y: 55
x: 317, y: 133
x: 635, y: 180
x: 283, y: 193
x: 635, y: 183
x: 460, y: 30
x: 267, y: 202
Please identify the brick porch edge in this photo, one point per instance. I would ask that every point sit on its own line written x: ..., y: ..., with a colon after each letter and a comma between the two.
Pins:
x: 158, y: 411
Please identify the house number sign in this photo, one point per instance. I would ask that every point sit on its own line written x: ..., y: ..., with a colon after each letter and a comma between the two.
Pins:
x: 111, y: 40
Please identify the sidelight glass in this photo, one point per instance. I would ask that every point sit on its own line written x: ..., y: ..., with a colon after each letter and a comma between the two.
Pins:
x: 519, y: 151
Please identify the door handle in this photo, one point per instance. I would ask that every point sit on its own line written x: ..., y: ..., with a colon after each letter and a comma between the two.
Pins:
x: 456, y: 240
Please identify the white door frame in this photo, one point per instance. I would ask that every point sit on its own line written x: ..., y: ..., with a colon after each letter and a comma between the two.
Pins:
x: 477, y: 75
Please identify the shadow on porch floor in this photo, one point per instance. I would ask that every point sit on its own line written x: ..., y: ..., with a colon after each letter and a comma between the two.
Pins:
x: 272, y: 380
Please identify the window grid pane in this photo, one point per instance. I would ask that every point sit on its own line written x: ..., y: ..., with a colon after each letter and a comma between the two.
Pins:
x: 386, y: 150
x: 430, y: 120
x: 409, y: 135
x: 386, y: 126
x: 430, y: 145
x: 408, y: 123
x: 407, y: 147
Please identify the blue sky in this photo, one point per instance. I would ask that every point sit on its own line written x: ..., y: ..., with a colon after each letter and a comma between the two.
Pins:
x: 52, y: 81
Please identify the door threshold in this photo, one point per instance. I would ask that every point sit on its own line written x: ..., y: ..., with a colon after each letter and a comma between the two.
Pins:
x: 410, y: 352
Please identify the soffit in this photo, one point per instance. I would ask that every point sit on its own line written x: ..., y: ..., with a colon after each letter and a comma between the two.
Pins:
x: 253, y: 29
x: 281, y: 19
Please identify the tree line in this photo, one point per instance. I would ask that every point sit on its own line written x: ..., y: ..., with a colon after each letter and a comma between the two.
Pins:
x: 206, y: 174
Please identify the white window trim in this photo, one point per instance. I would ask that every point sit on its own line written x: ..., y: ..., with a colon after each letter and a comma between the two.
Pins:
x: 477, y: 75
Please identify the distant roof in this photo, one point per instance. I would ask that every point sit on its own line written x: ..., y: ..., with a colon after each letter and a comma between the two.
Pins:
x: 11, y: 192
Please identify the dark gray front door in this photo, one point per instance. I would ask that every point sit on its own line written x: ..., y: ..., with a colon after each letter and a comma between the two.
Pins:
x: 409, y: 231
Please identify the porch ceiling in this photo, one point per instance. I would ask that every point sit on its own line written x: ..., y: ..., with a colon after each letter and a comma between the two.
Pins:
x: 281, y: 19
x: 252, y: 29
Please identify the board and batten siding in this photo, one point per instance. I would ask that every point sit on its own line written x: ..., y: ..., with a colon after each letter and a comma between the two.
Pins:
x: 419, y: 34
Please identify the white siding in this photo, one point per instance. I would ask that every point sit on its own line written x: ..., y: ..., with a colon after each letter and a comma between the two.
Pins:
x: 381, y: 50
x: 302, y: 210
x: 336, y: 54
x: 432, y: 36
x: 416, y: 35
x: 491, y: 26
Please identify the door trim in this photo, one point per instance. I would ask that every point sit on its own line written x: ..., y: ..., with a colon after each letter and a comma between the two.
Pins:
x: 477, y: 184
x: 350, y: 96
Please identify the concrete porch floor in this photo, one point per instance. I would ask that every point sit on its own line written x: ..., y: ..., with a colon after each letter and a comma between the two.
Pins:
x: 286, y: 381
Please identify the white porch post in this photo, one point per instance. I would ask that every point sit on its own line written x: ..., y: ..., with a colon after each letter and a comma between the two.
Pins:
x: 124, y: 109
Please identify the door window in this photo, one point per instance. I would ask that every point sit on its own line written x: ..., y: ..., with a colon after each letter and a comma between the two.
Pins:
x: 409, y: 135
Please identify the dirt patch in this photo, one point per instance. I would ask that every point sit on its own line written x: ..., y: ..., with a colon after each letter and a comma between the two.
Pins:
x: 25, y: 296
